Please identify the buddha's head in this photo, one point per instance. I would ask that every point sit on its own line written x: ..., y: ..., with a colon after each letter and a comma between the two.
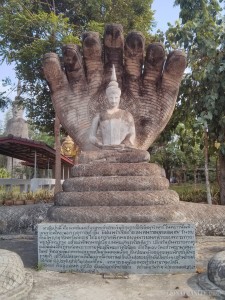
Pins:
x: 113, y: 92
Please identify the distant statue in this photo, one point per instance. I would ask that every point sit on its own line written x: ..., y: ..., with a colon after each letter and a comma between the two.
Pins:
x: 117, y: 129
x: 16, y: 126
x: 68, y: 148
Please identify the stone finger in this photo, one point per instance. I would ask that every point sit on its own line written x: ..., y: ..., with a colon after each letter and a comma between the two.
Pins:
x: 92, y: 53
x: 174, y: 68
x: 172, y: 75
x: 113, y: 51
x: 154, y: 62
x: 134, y: 54
x: 73, y: 63
x: 169, y: 87
x: 53, y: 72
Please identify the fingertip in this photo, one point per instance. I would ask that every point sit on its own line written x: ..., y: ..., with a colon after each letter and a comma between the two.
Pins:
x: 50, y: 58
x: 71, y: 56
x: 92, y: 47
x: 135, y: 44
x: 113, y: 36
x: 176, y: 63
x: 50, y: 55
x: 155, y: 55
x: 52, y: 69
x: 113, y: 51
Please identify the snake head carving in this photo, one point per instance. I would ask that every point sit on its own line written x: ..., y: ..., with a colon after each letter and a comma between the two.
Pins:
x: 149, y: 82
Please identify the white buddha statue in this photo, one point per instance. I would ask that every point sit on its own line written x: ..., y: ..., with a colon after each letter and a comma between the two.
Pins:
x: 116, y: 126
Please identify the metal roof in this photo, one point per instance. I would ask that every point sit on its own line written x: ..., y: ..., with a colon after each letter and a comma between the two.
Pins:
x: 24, y: 149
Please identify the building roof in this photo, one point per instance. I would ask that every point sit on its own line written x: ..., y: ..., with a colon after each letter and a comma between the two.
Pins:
x: 24, y: 149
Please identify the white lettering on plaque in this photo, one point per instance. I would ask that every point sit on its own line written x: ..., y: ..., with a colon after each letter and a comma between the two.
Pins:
x: 149, y: 248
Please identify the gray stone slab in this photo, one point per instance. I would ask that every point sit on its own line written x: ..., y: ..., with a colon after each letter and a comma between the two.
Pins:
x: 119, y: 169
x: 115, y: 183
x: 113, y: 156
x: 116, y: 198
x: 22, y: 218
x: 133, y: 248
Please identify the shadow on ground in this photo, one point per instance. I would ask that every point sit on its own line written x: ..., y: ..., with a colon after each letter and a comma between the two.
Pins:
x: 25, y: 248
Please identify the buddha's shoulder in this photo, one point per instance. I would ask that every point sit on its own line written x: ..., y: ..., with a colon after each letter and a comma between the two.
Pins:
x: 126, y: 114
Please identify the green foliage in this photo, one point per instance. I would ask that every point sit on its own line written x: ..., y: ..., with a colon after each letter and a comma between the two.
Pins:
x: 132, y: 14
x: 4, y: 100
x: 196, y: 193
x: 4, y: 173
x: 45, y: 138
x: 190, y: 9
x: 10, y: 195
x: 169, y: 156
x: 39, y: 267
x: 202, y: 34
x: 179, y: 147
x: 43, y: 196
x: 40, y: 196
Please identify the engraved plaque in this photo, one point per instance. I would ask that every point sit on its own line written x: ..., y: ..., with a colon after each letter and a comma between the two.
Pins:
x: 149, y: 248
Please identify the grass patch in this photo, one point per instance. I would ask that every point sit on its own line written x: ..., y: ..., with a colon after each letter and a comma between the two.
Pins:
x: 196, y: 192
x: 39, y: 267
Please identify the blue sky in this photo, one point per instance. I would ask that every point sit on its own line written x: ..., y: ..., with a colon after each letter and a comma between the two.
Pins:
x: 164, y: 13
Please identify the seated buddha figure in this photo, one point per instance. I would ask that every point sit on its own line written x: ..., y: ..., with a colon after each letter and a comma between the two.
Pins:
x: 116, y: 126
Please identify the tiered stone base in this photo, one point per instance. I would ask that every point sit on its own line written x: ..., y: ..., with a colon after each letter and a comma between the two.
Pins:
x: 116, y: 184
x: 105, y: 179
x: 103, y: 191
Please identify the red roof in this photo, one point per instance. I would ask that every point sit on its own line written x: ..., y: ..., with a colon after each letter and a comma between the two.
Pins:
x: 24, y: 149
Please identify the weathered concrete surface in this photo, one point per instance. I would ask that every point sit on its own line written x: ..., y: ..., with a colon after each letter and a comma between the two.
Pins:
x: 208, y: 219
x: 22, y: 218
x: 116, y: 198
x: 115, y: 183
x: 76, y: 286
x: 118, y: 169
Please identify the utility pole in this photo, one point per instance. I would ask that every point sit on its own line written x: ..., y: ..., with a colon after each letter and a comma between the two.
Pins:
x: 58, y: 186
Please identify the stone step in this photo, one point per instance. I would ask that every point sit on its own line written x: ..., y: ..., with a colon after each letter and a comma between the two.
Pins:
x: 119, y: 169
x: 113, y: 156
x: 116, y: 198
x: 208, y: 219
x: 115, y: 183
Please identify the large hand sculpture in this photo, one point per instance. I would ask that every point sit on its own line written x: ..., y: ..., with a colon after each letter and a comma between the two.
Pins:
x: 149, y: 85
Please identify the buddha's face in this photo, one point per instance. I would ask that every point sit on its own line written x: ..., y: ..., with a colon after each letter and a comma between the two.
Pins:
x: 113, y: 96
